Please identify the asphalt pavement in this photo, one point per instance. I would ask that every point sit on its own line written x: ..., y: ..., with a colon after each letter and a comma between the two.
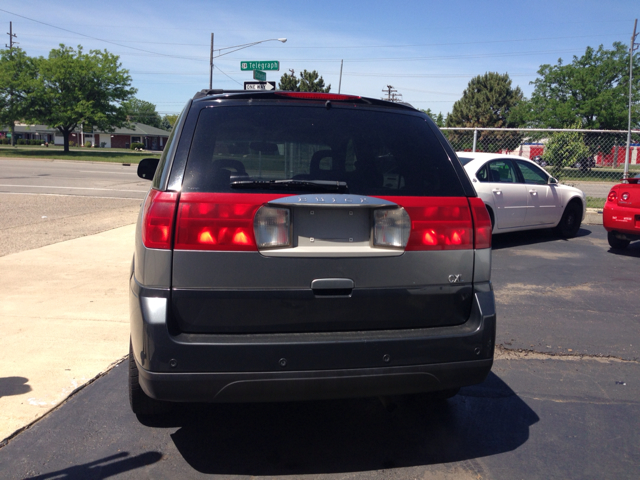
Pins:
x: 562, y: 400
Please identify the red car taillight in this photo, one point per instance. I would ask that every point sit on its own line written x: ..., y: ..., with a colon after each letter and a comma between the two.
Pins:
x: 481, y: 223
x: 218, y: 221
x: 157, y: 219
x: 446, y: 223
x: 612, y: 196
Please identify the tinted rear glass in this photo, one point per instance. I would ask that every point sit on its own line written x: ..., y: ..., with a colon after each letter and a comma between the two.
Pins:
x: 374, y: 152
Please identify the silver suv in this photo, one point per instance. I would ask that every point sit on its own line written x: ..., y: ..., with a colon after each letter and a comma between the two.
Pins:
x: 302, y: 246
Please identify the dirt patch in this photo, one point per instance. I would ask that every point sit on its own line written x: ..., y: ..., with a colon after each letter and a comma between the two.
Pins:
x: 509, y: 293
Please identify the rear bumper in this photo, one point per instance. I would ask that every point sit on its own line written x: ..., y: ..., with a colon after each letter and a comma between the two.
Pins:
x: 308, y: 385
x: 622, y: 220
x: 177, y: 366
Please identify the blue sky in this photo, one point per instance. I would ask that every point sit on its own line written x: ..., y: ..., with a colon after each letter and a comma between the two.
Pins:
x: 427, y: 50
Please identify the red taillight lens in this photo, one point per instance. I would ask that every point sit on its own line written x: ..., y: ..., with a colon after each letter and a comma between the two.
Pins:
x: 319, y: 96
x: 214, y: 221
x: 157, y: 219
x: 612, y: 196
x: 481, y: 223
x: 438, y: 223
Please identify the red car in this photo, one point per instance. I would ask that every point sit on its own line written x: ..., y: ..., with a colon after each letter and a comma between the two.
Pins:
x: 621, y: 216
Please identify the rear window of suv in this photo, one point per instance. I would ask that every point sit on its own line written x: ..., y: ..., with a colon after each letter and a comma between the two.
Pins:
x: 374, y: 152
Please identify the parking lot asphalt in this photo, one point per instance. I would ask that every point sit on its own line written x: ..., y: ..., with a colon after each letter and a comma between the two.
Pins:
x: 566, y: 372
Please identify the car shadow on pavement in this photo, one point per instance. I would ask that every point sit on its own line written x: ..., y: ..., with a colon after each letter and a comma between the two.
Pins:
x: 349, y: 435
x: 13, y: 386
x: 633, y: 250
x: 531, y: 237
x: 105, y: 467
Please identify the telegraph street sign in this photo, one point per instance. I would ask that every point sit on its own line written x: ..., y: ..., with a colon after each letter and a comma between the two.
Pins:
x: 271, y: 65
x: 260, y: 75
x: 259, y: 85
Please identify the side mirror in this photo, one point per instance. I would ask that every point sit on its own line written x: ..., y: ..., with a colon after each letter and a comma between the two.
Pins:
x: 553, y: 181
x: 147, y: 168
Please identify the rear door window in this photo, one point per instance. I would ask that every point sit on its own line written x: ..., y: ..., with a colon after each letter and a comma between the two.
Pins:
x: 374, y: 152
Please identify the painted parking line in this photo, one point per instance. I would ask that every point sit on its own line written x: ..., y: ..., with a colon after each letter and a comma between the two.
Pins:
x: 75, y: 188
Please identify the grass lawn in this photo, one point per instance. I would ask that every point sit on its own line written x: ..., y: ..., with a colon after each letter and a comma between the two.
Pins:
x: 593, y: 202
x: 116, y: 155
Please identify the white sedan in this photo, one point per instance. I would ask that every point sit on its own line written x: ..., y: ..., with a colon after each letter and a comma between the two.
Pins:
x: 522, y: 196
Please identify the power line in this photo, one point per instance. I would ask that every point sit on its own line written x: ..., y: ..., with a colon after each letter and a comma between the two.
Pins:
x: 89, y: 36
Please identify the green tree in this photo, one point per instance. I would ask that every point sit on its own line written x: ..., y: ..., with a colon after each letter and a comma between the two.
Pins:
x: 168, y: 121
x: 488, y: 101
x: 308, y: 82
x: 593, y: 89
x: 140, y: 111
x: 76, y: 88
x: 563, y: 149
x: 438, y: 119
x: 17, y: 82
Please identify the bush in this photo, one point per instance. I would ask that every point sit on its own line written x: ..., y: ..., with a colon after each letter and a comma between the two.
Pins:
x: 5, y: 141
x: 103, y: 144
x: 72, y: 143
x: 21, y: 141
x: 35, y: 142
x: 137, y: 145
x: 88, y: 144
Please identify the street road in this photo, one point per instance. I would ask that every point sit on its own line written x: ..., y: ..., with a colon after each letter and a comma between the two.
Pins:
x: 562, y: 401
x: 45, y: 202
x: 59, y: 177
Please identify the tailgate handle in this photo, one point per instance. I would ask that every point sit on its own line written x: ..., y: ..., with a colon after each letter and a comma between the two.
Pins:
x: 332, y: 287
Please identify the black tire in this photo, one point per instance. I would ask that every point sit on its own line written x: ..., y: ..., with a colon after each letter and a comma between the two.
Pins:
x: 570, y: 221
x: 617, y: 243
x: 492, y: 217
x: 141, y: 403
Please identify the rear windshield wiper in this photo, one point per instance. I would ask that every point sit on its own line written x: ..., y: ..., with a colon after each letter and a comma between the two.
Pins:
x: 307, y: 185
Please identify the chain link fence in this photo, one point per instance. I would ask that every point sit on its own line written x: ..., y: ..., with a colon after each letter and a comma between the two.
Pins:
x: 569, y: 155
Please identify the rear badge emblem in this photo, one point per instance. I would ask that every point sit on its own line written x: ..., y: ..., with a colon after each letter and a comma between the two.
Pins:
x: 455, y: 278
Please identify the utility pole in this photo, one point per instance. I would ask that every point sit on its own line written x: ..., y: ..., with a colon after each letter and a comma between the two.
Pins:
x: 389, y: 91
x: 211, y: 64
x: 11, y: 37
x: 340, y: 83
x: 632, y: 47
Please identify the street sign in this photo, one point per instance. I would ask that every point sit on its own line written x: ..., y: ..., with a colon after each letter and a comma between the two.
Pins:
x: 259, y: 85
x: 272, y: 65
x: 260, y: 75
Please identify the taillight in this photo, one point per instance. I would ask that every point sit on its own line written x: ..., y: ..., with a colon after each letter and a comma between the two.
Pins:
x: 481, y: 223
x: 624, y: 197
x: 272, y: 227
x: 319, y: 96
x: 214, y: 221
x: 157, y: 219
x: 612, y: 196
x: 391, y: 227
x: 438, y: 223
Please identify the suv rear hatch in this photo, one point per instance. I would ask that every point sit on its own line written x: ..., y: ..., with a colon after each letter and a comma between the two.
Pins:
x: 309, y: 217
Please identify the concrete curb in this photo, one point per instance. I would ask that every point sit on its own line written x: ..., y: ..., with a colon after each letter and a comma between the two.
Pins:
x: 593, y: 216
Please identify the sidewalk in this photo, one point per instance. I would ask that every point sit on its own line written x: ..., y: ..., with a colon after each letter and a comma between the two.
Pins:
x: 64, y: 317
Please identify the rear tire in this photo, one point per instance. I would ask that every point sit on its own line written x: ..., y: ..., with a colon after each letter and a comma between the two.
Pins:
x: 570, y: 221
x: 141, y: 403
x: 617, y: 243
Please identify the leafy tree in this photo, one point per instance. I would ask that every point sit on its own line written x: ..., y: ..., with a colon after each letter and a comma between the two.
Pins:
x: 168, y: 121
x: 76, y: 88
x: 289, y: 82
x: 438, y: 119
x: 564, y: 149
x: 488, y: 101
x: 308, y: 82
x: 17, y: 81
x: 593, y: 88
x: 140, y: 111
